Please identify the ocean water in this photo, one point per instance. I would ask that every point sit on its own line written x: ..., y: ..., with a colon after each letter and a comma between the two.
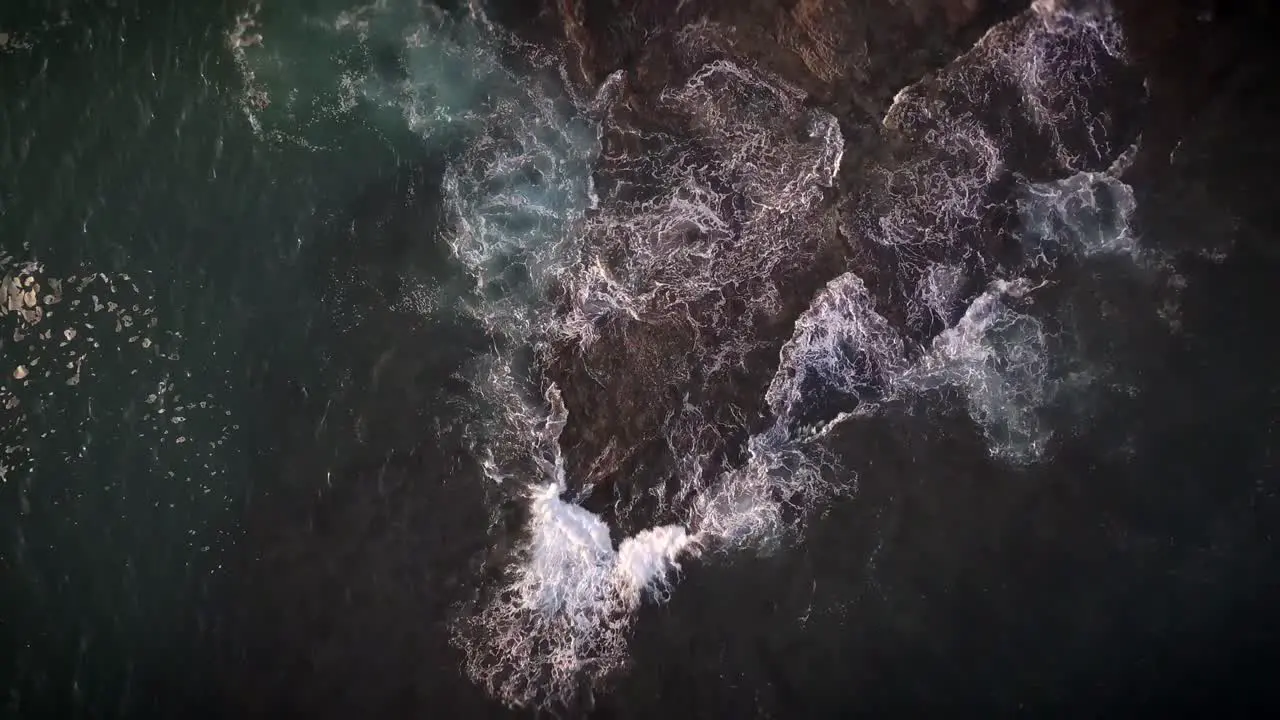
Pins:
x: 289, y: 429
x: 176, y: 261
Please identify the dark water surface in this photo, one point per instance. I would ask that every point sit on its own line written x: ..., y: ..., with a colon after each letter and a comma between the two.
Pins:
x: 301, y: 552
x: 124, y: 151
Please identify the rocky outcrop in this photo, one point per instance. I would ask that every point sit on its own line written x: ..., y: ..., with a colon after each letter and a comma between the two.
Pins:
x: 633, y: 392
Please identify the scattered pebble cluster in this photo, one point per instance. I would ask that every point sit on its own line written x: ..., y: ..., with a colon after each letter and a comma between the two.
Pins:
x: 99, y: 336
x: 14, y: 41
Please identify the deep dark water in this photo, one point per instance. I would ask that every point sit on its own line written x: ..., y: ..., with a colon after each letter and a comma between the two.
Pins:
x: 1137, y: 572
x: 1102, y: 584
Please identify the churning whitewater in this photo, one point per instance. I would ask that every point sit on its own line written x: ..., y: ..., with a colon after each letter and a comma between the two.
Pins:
x: 584, y: 228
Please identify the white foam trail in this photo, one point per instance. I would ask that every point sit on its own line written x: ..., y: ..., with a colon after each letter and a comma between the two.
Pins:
x: 520, y: 187
x: 1037, y: 94
x: 516, y: 188
x: 519, y: 179
x: 842, y: 359
x: 566, y: 608
x: 942, y: 191
x: 768, y: 498
x: 1069, y: 53
x: 714, y: 216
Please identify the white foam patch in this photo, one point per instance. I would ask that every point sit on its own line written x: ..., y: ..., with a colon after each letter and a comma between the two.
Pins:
x: 573, y: 568
x: 1067, y: 52
x: 1032, y: 95
x: 941, y: 292
x: 1087, y: 214
x: 565, y: 610
x: 943, y: 189
x: 727, y: 206
x: 999, y: 357
x: 842, y: 351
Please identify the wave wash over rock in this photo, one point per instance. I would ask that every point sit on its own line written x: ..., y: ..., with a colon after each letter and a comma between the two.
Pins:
x: 647, y: 243
x: 729, y: 194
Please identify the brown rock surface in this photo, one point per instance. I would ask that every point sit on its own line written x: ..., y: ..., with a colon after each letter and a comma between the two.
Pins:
x: 849, y: 58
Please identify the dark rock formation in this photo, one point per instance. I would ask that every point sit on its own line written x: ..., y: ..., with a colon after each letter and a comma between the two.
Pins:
x: 850, y: 59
